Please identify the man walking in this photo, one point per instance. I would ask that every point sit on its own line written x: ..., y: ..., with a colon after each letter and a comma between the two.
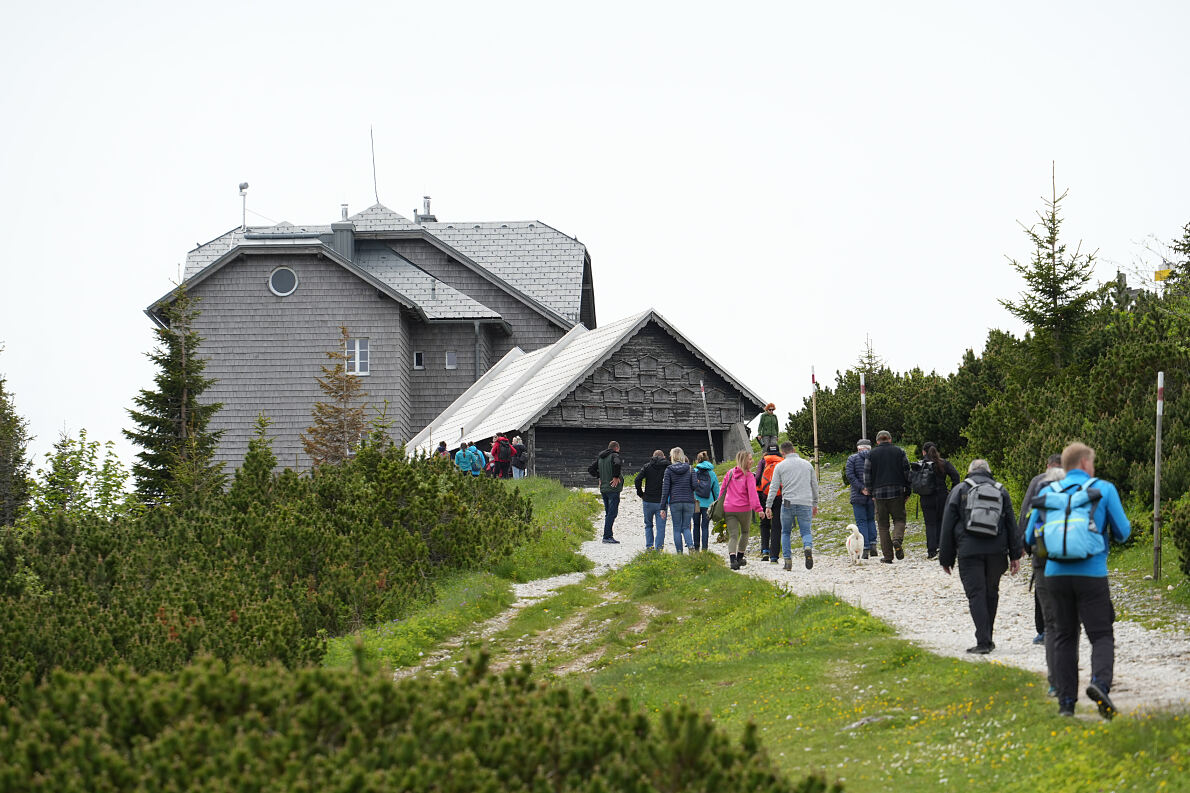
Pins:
x: 793, y: 479
x: 648, y: 487
x: 1043, y: 619
x: 766, y: 433
x: 886, y: 479
x: 979, y: 529
x: 863, y: 506
x: 611, y: 482
x: 1077, y: 589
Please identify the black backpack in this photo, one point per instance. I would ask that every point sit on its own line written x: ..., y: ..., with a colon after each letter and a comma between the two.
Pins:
x: 521, y: 460
x: 923, y: 480
x: 702, y: 483
x: 503, y: 450
x: 593, y: 469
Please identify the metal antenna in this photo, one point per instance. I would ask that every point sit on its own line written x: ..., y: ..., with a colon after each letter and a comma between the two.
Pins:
x: 375, y: 188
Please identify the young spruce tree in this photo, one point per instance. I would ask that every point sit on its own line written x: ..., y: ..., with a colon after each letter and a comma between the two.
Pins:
x: 339, y: 422
x: 171, y: 421
x: 14, y: 458
x: 1056, y: 301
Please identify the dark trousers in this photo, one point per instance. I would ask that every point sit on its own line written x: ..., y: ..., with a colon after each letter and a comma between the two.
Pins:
x: 931, y: 513
x: 770, y: 531
x: 1048, y: 626
x: 1076, y: 599
x: 702, y: 528
x: 611, y: 508
x: 981, y: 581
x: 890, y: 508
x: 504, y: 469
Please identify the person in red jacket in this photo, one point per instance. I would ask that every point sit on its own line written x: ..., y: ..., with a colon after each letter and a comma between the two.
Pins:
x: 502, y: 456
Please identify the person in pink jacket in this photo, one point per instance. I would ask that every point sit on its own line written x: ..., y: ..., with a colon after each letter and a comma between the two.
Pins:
x: 739, y: 502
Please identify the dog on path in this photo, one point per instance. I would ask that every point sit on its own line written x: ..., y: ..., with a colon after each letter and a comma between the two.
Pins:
x: 855, y: 544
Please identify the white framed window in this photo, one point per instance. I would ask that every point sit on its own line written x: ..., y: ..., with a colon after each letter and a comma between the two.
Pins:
x: 452, y: 360
x: 419, y: 360
x: 283, y: 281
x: 359, y: 360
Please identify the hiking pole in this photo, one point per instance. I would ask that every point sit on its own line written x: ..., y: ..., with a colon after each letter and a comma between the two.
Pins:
x: 1157, y: 480
x: 707, y: 415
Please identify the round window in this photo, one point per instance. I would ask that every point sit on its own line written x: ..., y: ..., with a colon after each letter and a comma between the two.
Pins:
x: 283, y: 281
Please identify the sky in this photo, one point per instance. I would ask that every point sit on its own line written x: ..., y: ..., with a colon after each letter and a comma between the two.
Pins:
x: 781, y: 181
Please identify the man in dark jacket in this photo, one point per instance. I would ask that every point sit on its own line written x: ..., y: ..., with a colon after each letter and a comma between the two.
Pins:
x: 611, y: 482
x: 648, y: 487
x: 1042, y: 619
x: 863, y: 507
x: 886, y: 479
x: 982, y: 557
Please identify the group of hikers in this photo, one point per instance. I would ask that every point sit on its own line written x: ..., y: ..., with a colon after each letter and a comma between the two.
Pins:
x: 508, y: 458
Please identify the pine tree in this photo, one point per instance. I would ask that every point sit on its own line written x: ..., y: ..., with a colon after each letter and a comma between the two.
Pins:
x: 172, y: 423
x: 14, y: 459
x: 339, y: 422
x: 1056, y: 302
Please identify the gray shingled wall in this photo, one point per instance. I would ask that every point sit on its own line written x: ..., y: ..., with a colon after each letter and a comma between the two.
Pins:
x: 265, y: 351
x: 435, y: 387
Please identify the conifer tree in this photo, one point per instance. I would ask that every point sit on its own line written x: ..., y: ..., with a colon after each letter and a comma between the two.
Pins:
x: 339, y: 422
x: 14, y: 458
x: 1056, y: 301
x: 171, y: 421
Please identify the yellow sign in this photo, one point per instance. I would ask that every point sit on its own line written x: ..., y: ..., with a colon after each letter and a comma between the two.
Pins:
x: 1161, y: 275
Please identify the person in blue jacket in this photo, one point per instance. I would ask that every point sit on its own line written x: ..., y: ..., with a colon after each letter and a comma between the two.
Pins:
x: 1077, y: 590
x: 677, y: 497
x: 702, y: 512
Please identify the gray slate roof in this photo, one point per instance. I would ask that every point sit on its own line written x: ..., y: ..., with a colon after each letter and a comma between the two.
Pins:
x: 436, y: 299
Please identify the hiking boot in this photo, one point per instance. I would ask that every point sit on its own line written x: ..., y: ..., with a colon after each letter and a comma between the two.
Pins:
x: 764, y: 556
x: 775, y: 558
x: 809, y: 559
x: 611, y: 541
x: 886, y: 561
x: 1039, y: 638
x: 735, y: 564
x: 1053, y: 692
x: 1066, y: 709
x: 898, y: 550
x: 865, y: 556
x: 1098, y: 694
x: 980, y: 649
x: 788, y: 564
x: 742, y: 559
x: 932, y: 555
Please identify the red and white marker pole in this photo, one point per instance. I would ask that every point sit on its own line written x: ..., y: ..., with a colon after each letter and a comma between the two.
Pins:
x: 863, y: 407
x: 1157, y: 480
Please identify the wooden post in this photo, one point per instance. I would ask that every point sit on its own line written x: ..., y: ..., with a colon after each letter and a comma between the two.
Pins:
x: 1157, y: 480
x: 814, y: 417
x: 863, y: 407
x: 707, y: 415
x: 531, y: 447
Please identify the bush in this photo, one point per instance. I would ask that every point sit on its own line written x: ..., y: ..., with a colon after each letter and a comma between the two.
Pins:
x: 1175, y: 520
x: 214, y: 725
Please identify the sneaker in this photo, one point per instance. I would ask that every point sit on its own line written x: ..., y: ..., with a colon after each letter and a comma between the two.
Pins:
x: 1066, y: 709
x: 1053, y: 692
x: 898, y: 550
x: 809, y: 559
x: 1098, y: 694
x: 774, y: 559
x: 788, y: 564
x: 886, y: 561
x: 865, y: 556
x: 981, y: 649
x: 931, y: 556
x: 610, y: 541
x: 764, y: 556
x: 734, y: 561
x: 1039, y: 638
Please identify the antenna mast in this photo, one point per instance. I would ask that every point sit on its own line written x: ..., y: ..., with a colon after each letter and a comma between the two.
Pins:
x: 375, y: 188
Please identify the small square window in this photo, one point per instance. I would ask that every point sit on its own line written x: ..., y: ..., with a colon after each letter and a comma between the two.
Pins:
x: 419, y: 360
x: 358, y: 357
x: 452, y: 360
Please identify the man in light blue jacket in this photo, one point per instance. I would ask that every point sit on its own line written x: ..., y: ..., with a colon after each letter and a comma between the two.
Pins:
x: 1078, y: 590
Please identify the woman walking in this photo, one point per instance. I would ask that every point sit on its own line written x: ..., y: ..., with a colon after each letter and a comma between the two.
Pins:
x: 704, y: 470
x: 934, y: 503
x: 677, y: 496
x: 739, y: 502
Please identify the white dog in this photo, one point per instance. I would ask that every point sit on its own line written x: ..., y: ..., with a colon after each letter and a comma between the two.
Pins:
x: 855, y: 544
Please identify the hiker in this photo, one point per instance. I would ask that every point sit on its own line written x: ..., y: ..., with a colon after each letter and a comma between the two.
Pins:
x: 739, y: 502
x: 442, y: 452
x: 520, y: 458
x: 502, y: 457
x: 766, y: 433
x: 1077, y: 588
x: 929, y: 482
x: 706, y: 492
x: 611, y: 482
x: 470, y: 460
x: 979, y: 529
x: 863, y: 506
x: 770, y: 528
x: 1043, y: 618
x: 794, y: 480
x: 648, y: 487
x: 886, y: 479
x: 677, y: 496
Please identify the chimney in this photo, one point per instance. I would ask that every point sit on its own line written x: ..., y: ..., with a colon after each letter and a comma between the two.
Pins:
x: 343, y: 210
x: 425, y: 216
x: 343, y: 237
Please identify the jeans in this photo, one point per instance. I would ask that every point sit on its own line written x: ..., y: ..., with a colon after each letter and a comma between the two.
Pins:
x: 981, y: 575
x: 651, y: 517
x: 519, y: 473
x: 680, y: 515
x: 865, y: 521
x: 702, y: 527
x: 1082, y: 599
x: 802, y: 513
x: 890, y: 508
x: 611, y: 508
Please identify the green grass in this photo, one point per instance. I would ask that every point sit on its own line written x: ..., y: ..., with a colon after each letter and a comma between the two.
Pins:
x: 807, y: 671
x: 565, y: 520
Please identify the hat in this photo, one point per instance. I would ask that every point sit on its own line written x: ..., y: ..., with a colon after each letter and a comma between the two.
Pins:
x: 770, y: 406
x: 863, y: 442
x: 772, y: 448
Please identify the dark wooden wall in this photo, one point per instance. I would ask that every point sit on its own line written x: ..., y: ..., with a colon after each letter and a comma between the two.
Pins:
x: 564, y: 453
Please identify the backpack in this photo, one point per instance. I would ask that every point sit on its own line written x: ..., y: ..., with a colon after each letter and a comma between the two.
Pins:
x: 503, y: 449
x: 521, y: 460
x: 593, y: 468
x: 766, y: 477
x: 702, y: 483
x: 923, y: 479
x: 1068, y: 530
x: 984, y: 506
x: 477, y: 460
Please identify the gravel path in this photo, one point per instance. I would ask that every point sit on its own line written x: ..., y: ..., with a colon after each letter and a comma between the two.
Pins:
x: 926, y: 606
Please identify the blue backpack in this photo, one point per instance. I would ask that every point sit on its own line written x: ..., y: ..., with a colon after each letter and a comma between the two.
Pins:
x: 1067, y: 529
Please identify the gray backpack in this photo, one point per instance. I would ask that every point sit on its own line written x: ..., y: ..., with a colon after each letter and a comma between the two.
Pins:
x: 984, y: 506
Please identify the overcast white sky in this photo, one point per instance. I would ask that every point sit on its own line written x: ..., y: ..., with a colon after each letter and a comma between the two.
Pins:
x: 778, y: 180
